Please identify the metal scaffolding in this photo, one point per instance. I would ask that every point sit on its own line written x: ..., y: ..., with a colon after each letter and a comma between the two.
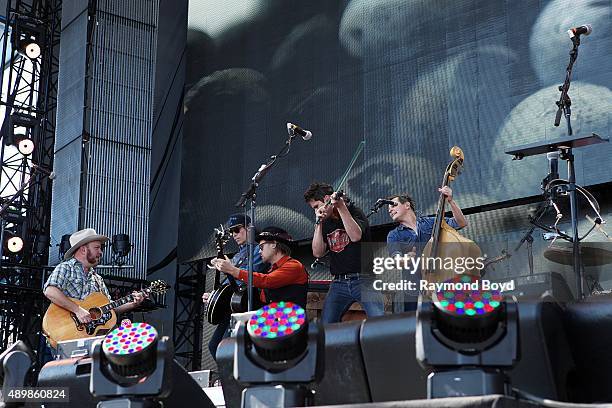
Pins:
x: 29, y: 100
x: 188, y: 314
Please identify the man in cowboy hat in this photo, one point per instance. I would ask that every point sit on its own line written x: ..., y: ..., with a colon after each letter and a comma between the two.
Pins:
x: 237, y: 225
x: 286, y: 279
x: 76, y: 277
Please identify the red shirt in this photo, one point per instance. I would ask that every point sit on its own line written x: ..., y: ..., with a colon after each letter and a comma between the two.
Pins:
x: 287, y: 271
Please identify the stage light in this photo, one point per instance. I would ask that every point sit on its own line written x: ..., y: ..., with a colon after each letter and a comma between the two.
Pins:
x: 64, y: 246
x: 121, y: 245
x: 467, y: 337
x: 468, y: 315
x: 14, y: 244
x: 278, y: 331
x: 130, y: 350
x: 132, y: 360
x: 41, y: 244
x: 30, y: 48
x: 278, y: 355
x: 92, y: 382
x: 25, y: 146
x: 27, y: 33
x: 15, y: 120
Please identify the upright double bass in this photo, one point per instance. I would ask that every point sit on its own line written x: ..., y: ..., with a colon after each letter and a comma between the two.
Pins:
x: 447, y: 248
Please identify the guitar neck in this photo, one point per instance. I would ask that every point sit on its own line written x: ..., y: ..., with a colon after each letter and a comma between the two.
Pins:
x: 119, y: 302
x: 230, y: 278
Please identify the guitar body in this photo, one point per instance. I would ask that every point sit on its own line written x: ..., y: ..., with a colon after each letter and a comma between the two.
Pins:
x: 240, y: 300
x: 239, y: 303
x: 59, y: 324
x: 225, y: 300
x: 218, y: 306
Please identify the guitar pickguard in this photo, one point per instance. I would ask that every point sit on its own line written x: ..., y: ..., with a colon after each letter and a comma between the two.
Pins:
x: 90, y: 328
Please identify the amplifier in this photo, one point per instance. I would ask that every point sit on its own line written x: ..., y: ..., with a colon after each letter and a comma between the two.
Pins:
x: 540, y: 286
x: 75, y: 348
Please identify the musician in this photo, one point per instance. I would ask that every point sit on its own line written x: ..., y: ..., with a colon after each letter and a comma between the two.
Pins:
x: 237, y: 225
x: 77, y: 278
x: 414, y: 231
x: 286, y: 280
x: 342, y: 228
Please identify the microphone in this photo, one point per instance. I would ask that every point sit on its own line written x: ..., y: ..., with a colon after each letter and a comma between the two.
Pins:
x: 49, y: 173
x: 553, y: 173
x: 583, y: 29
x: 381, y: 201
x: 553, y: 165
x: 293, y: 129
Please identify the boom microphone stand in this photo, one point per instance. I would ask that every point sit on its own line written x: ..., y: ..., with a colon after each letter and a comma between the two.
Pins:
x: 251, y: 195
x: 564, y: 103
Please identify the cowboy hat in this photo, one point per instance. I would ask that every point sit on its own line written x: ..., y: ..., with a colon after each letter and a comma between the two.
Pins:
x: 82, y: 237
x: 275, y: 234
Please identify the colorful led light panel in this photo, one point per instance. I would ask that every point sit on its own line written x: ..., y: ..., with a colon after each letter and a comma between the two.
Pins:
x: 465, y: 300
x: 278, y: 319
x: 129, y: 339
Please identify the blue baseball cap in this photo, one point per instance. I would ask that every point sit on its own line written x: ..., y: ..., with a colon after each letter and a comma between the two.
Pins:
x: 238, y: 219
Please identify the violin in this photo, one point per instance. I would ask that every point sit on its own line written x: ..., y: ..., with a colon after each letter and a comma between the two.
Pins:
x: 337, y: 195
x: 447, y: 248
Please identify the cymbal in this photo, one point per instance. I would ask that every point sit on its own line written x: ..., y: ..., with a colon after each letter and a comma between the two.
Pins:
x: 592, y: 254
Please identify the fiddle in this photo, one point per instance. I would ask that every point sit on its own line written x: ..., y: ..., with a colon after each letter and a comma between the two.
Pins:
x: 335, y: 196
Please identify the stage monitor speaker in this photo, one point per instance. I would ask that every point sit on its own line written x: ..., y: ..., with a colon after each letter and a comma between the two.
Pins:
x: 375, y: 360
x: 589, y: 329
x: 389, y: 355
x: 547, y: 286
x: 546, y: 360
x: 75, y: 374
x: 15, y: 369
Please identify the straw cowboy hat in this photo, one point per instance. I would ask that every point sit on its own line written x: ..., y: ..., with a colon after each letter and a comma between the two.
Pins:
x: 82, y: 237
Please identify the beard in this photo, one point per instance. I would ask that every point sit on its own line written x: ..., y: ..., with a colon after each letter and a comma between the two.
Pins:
x: 91, y: 259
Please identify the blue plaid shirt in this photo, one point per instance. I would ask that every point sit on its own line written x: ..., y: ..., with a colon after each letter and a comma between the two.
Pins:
x: 70, y: 277
x: 402, y: 239
x: 241, y: 260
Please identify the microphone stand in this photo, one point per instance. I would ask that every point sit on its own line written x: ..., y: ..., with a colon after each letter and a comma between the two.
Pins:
x: 377, y: 206
x: 528, y: 237
x: 251, y: 195
x: 564, y: 103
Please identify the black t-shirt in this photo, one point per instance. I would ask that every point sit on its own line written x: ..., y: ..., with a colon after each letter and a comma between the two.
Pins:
x: 345, y: 256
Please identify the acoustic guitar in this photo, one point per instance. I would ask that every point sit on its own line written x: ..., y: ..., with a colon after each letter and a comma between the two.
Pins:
x: 60, y: 324
x: 229, y: 297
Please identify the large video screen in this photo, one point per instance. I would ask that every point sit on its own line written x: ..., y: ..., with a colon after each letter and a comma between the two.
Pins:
x: 410, y: 78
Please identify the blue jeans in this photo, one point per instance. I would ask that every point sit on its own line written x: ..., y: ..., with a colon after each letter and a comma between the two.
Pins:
x: 407, y: 301
x: 343, y: 292
x: 221, y: 331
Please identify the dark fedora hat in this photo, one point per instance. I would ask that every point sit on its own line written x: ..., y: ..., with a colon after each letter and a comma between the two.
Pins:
x: 275, y: 234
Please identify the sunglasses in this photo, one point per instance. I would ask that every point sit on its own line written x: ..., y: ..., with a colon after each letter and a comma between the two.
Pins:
x: 261, y: 246
x: 235, y: 229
